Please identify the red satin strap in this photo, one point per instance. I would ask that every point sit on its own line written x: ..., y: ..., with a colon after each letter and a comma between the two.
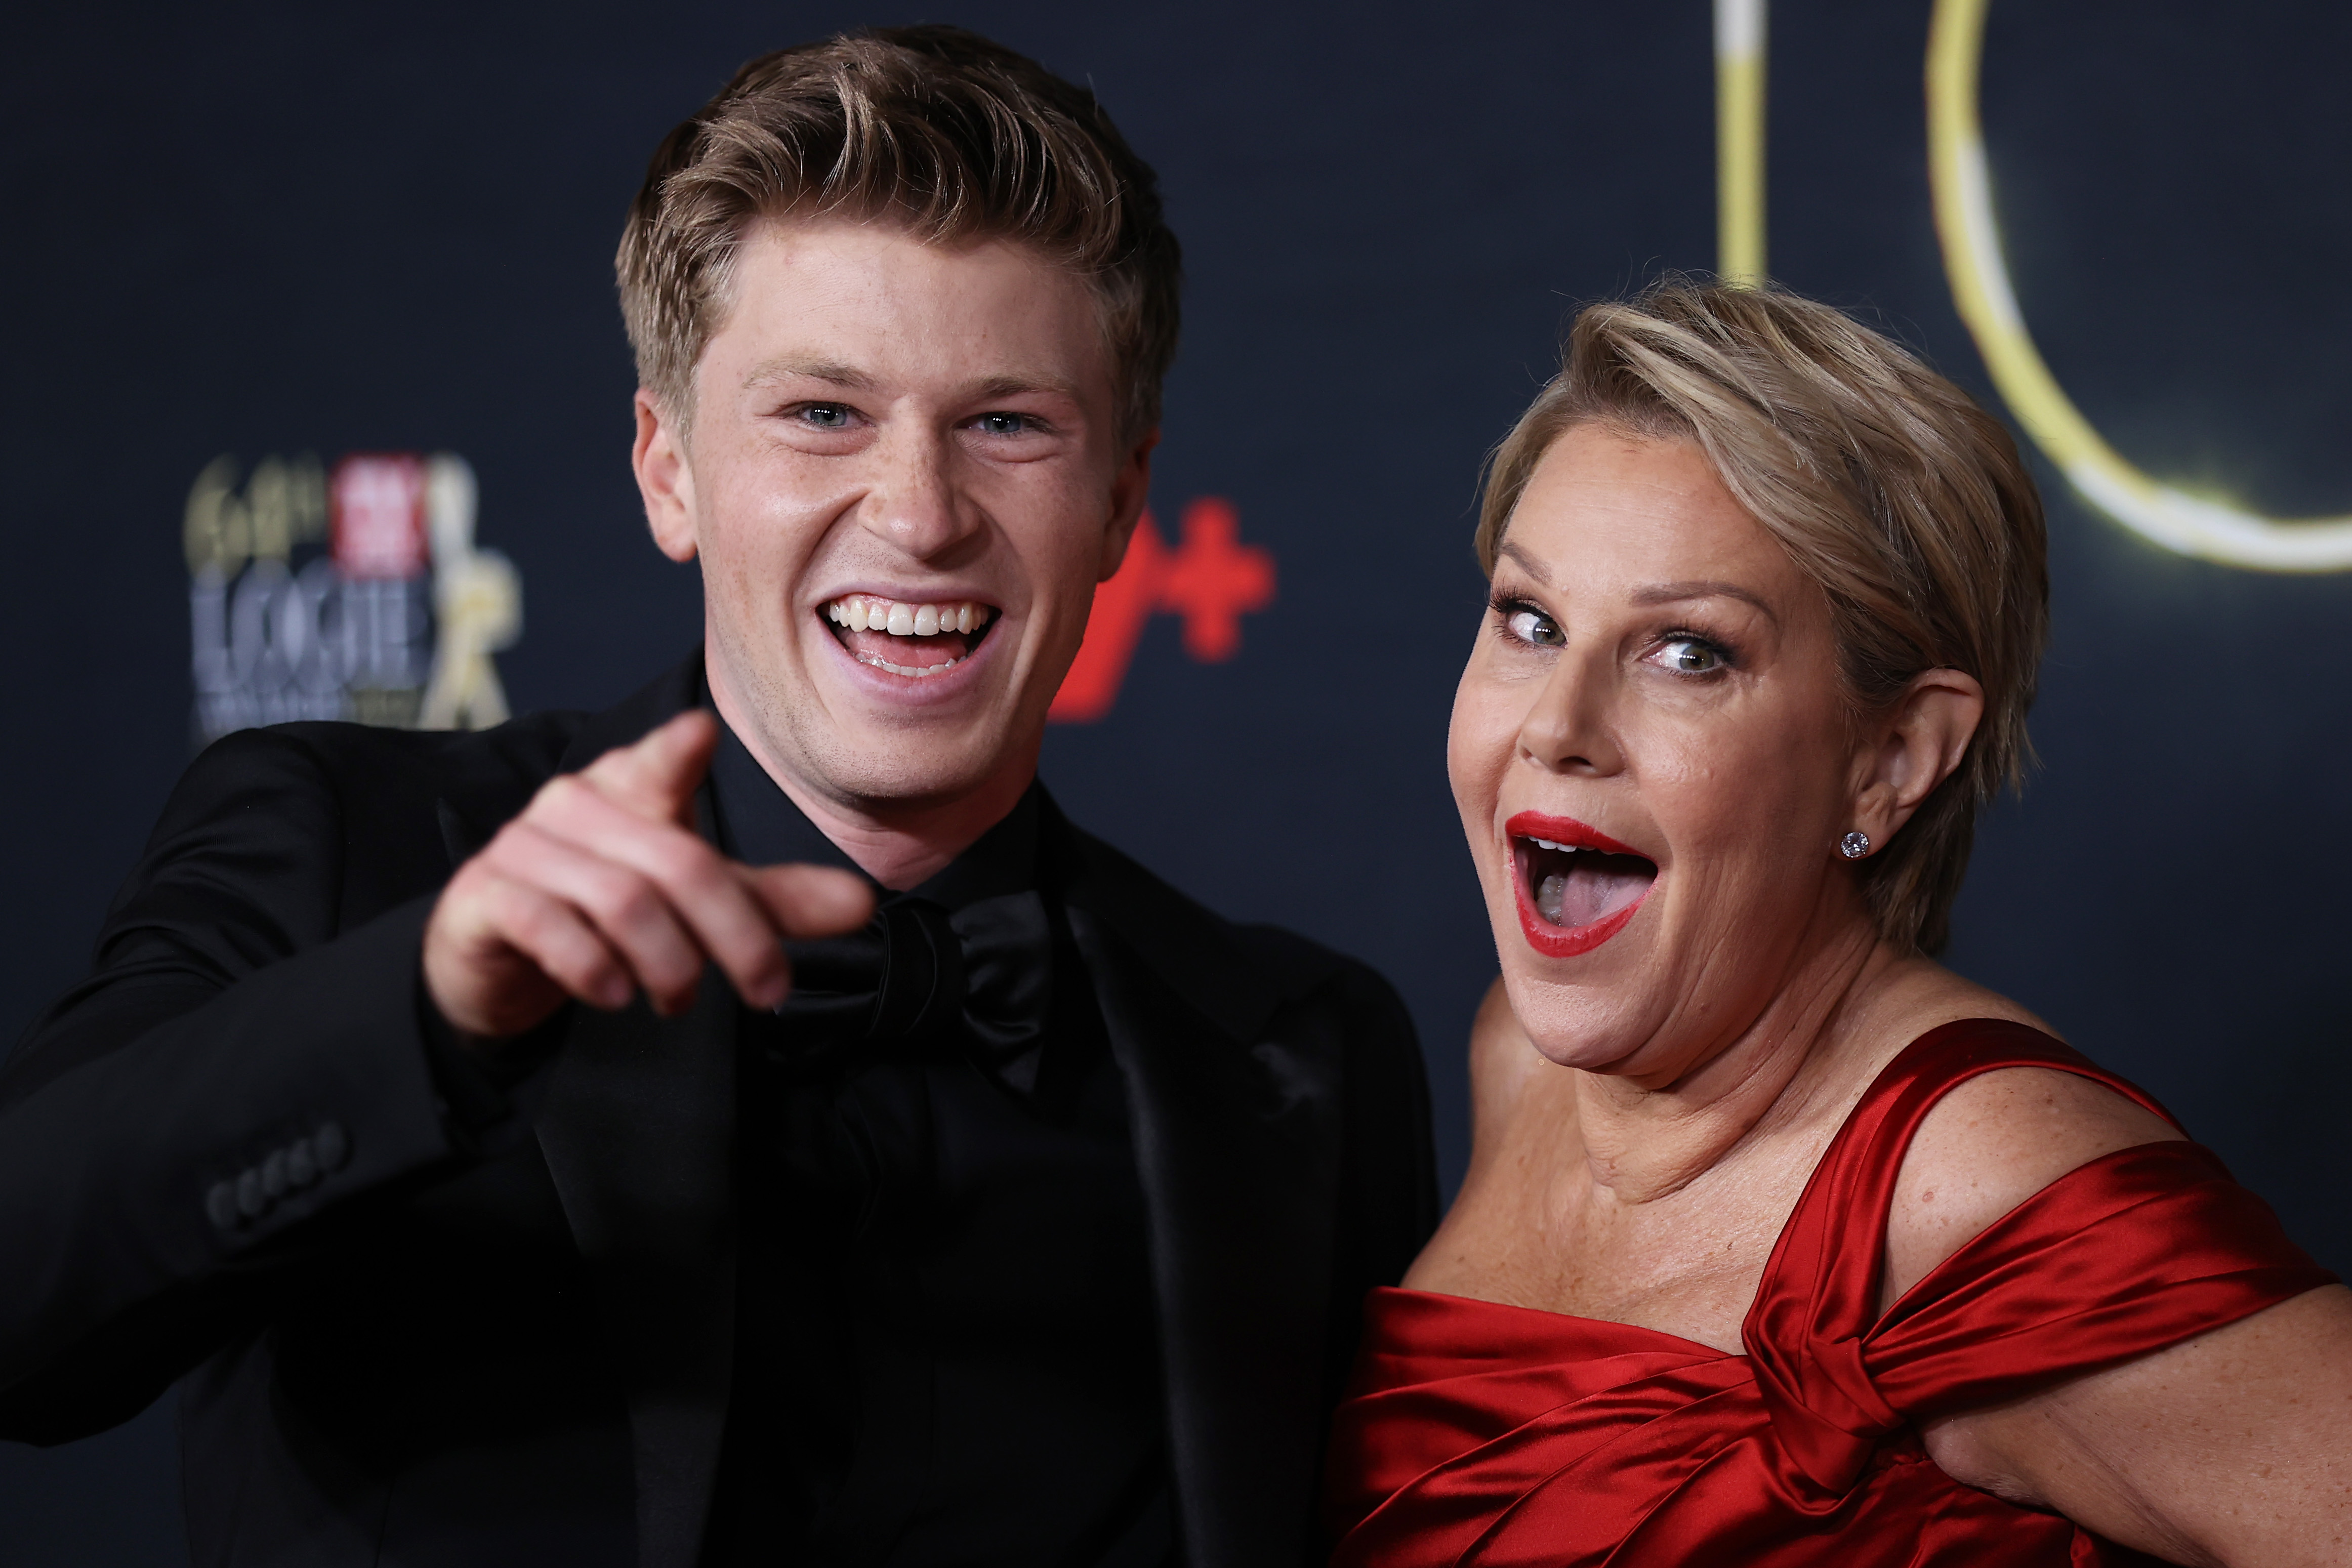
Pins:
x: 2133, y: 1252
x: 2129, y: 1254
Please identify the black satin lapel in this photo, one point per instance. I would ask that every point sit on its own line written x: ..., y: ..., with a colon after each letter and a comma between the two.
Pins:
x: 1237, y: 1145
x: 638, y: 1126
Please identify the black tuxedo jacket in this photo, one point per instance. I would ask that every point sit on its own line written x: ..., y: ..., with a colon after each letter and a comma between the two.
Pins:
x: 419, y: 1320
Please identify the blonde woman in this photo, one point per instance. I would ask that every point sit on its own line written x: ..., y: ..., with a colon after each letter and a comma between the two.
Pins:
x: 1781, y: 1242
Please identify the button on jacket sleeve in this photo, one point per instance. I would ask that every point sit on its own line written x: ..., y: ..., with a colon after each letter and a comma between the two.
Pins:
x: 247, y: 1056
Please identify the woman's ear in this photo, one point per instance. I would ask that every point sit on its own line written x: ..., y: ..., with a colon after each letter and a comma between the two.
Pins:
x: 1913, y: 747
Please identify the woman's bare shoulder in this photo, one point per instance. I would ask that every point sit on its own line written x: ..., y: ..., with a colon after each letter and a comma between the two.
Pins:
x: 1990, y: 1144
x: 1995, y: 1140
x: 2228, y: 1446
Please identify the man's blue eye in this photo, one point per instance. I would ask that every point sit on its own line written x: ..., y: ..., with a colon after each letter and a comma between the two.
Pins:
x: 1003, y: 424
x: 826, y: 415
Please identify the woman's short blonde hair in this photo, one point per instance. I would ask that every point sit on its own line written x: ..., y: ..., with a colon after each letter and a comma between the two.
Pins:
x: 1887, y: 485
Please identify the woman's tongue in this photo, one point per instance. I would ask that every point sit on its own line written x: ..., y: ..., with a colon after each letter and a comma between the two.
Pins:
x: 909, y: 652
x: 1591, y: 887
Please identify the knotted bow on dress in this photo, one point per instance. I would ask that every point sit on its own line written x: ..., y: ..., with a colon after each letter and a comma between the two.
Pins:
x: 981, y: 977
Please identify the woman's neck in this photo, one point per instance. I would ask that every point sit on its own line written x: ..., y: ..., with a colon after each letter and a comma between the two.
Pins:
x: 1798, y: 1056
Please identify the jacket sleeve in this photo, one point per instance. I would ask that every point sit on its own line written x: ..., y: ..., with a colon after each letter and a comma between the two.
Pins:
x: 247, y: 1059
x: 1388, y: 1171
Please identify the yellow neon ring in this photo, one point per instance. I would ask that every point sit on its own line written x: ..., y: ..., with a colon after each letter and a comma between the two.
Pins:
x: 1981, y: 287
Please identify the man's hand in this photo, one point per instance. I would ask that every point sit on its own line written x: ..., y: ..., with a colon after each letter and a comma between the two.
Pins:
x: 601, y: 889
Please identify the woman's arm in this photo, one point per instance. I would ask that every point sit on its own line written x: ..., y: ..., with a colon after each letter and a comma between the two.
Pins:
x: 2232, y: 1448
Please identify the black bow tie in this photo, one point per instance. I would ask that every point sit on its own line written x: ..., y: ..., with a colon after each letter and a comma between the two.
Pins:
x: 983, y: 976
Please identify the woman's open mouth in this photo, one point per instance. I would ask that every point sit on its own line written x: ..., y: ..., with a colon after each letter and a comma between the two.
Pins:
x: 914, y: 640
x: 1577, y: 887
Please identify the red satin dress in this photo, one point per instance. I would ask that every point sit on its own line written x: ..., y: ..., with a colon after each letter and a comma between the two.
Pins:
x: 1476, y: 1433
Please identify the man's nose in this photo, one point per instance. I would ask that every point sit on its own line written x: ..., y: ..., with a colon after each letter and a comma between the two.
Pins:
x: 913, y: 503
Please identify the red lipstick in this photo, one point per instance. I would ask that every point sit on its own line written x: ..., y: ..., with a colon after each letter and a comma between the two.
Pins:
x: 1551, y: 939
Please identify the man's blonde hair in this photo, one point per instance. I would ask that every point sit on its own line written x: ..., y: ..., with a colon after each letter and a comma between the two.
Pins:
x: 951, y: 138
x: 1886, y: 484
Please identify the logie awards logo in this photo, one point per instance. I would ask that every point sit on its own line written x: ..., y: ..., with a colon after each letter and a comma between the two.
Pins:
x: 351, y: 592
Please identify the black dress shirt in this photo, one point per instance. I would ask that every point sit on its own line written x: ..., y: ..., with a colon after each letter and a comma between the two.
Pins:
x: 946, y: 1348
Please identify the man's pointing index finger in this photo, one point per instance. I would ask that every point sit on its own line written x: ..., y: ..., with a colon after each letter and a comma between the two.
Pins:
x: 657, y: 776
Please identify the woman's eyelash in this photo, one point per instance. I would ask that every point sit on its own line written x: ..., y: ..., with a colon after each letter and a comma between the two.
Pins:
x: 1506, y: 606
x: 1506, y: 610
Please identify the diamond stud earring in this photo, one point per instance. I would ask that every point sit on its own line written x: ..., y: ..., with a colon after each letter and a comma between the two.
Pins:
x: 1855, y: 846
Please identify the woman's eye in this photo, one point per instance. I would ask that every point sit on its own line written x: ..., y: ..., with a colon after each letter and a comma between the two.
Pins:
x: 1533, y: 626
x: 1689, y: 656
x: 1003, y: 424
x: 826, y: 415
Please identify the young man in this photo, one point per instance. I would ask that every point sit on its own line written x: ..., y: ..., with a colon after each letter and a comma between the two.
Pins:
x: 445, y: 1115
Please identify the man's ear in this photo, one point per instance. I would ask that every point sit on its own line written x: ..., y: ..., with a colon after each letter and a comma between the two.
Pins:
x: 1912, y: 748
x: 664, y: 478
x: 1130, y: 488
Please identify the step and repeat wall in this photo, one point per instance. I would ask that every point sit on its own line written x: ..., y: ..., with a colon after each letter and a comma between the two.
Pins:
x: 318, y: 406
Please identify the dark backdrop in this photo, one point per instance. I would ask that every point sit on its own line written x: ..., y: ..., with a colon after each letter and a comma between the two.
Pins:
x: 255, y: 229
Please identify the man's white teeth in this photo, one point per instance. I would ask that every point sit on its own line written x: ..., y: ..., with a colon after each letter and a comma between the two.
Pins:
x: 864, y: 613
x: 920, y: 672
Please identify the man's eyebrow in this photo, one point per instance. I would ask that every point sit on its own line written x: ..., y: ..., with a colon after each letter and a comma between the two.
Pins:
x: 1020, y: 381
x: 849, y: 378
x: 1677, y: 592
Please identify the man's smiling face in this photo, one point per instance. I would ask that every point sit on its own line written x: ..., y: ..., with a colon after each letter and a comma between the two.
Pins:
x: 904, y: 477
